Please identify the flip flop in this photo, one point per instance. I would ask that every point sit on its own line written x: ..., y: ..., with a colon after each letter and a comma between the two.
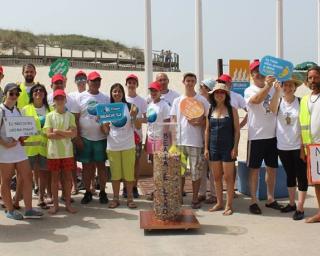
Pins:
x: 114, y: 204
x: 227, y: 212
x: 131, y: 204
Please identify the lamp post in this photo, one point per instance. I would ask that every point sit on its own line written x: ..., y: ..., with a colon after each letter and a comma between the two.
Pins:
x: 148, y: 45
x: 279, y: 29
x: 198, y: 40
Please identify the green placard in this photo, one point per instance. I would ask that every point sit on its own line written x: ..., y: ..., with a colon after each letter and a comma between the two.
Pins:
x: 60, y: 66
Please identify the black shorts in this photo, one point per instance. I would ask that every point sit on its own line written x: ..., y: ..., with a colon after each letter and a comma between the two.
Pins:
x: 259, y: 150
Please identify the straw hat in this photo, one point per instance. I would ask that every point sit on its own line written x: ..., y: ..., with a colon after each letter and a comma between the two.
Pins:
x: 296, y: 78
x: 220, y: 86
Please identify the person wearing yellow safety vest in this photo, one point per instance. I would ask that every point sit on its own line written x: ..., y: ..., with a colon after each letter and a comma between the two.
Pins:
x: 310, y: 122
x: 29, y: 73
x: 36, y: 145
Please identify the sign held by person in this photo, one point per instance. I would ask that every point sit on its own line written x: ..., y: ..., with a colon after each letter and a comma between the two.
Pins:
x: 20, y: 126
x: 279, y: 68
x: 313, y: 162
x: 191, y: 108
x: 110, y: 112
x: 240, y: 72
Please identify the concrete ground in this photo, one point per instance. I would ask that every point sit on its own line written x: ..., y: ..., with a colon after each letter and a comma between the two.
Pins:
x: 97, y: 230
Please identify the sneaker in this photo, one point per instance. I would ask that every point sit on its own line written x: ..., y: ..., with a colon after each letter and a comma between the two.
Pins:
x: 298, y: 215
x: 274, y: 205
x: 33, y: 214
x: 124, y: 192
x: 15, y: 215
x: 289, y: 208
x: 255, y: 209
x: 135, y: 192
x: 103, y: 198
x: 87, y: 198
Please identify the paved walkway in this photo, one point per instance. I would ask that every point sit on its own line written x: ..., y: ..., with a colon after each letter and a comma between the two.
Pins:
x: 97, y: 230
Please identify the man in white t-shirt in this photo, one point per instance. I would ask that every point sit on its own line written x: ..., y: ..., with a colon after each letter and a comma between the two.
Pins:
x: 262, y: 142
x: 80, y: 80
x: 91, y: 141
x: 132, y: 97
x: 310, y: 122
x: 237, y: 101
x: 191, y: 138
x: 167, y: 94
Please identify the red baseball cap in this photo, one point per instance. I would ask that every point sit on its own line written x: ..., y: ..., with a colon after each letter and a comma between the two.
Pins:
x: 81, y: 73
x: 93, y: 75
x: 59, y: 92
x: 57, y: 77
x: 155, y: 85
x: 132, y: 76
x: 225, y: 78
x: 1, y: 70
x: 254, y: 65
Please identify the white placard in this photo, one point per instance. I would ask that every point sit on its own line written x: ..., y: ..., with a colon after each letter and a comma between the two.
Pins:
x: 314, y: 163
x: 20, y: 126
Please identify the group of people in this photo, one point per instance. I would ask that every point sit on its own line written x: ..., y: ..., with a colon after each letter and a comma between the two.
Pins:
x: 69, y: 130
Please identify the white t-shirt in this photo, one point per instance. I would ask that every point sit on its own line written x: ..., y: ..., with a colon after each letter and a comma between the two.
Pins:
x: 14, y: 154
x: 314, y: 109
x: 288, y: 125
x: 142, y: 106
x: 89, y: 125
x: 261, y: 121
x: 190, y: 135
x: 157, y: 113
x: 71, y: 104
x: 74, y: 95
x: 237, y: 101
x: 121, y: 135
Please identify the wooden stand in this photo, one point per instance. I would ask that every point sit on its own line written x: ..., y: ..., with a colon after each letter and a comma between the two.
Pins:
x: 185, y: 220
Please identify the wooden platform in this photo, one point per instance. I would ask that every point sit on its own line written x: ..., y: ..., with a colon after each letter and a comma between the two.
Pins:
x: 186, y: 220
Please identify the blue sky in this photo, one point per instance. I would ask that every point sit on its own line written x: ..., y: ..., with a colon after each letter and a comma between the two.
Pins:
x: 240, y: 29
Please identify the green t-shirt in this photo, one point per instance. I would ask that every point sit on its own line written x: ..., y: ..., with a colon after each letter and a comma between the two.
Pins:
x: 63, y: 148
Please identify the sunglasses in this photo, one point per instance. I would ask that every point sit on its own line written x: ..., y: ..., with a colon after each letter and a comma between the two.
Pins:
x: 38, y: 90
x: 11, y: 94
x: 81, y: 80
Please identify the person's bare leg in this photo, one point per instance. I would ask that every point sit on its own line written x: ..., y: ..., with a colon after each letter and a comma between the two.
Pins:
x: 102, y: 172
x: 55, y: 179
x: 7, y: 172
x: 19, y: 190
x: 43, y: 184
x: 36, y: 178
x: 301, y: 199
x: 116, y: 189
x: 253, y: 183
x: 271, y: 182
x: 316, y: 217
x: 67, y: 184
x: 195, y: 190
x: 87, y: 175
x: 25, y: 173
x: 228, y: 173
x: 292, y: 195
x: 217, y: 172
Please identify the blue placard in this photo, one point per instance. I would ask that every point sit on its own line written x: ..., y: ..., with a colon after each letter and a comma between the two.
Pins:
x: 279, y: 68
x: 110, y: 112
x: 239, y: 87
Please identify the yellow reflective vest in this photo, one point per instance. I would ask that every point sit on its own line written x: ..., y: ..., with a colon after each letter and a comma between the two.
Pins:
x: 24, y: 98
x: 305, y: 120
x: 35, y: 144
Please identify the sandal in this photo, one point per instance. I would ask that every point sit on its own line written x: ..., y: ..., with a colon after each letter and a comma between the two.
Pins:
x: 114, y: 204
x: 227, y: 212
x: 195, y: 205
x: 43, y: 206
x: 131, y: 204
x: 215, y: 208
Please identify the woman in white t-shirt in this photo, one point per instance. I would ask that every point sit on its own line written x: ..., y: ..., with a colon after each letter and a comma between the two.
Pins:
x: 121, y: 147
x: 290, y: 148
x: 13, y: 157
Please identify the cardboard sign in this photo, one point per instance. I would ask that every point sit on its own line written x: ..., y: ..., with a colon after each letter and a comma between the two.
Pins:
x: 191, y: 108
x: 240, y: 72
x: 279, y: 68
x: 60, y: 66
x: 313, y: 163
x: 110, y: 112
x: 20, y: 126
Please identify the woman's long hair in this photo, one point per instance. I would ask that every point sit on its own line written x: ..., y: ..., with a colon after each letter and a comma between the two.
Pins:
x: 122, y: 90
x: 44, y: 100
x: 227, y: 101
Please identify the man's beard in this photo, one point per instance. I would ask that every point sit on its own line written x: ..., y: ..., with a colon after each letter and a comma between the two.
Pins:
x: 29, y: 79
x: 315, y: 86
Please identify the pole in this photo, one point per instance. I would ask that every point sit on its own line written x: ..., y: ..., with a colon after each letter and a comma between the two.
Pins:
x: 279, y: 29
x: 148, y: 45
x: 198, y: 40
